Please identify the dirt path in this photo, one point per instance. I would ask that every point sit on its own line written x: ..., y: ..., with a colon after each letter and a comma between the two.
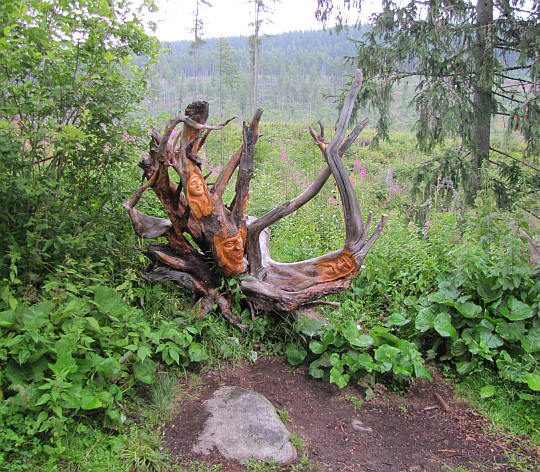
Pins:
x: 425, y: 430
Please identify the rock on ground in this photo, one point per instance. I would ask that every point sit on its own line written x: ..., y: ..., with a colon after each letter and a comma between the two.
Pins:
x: 243, y: 425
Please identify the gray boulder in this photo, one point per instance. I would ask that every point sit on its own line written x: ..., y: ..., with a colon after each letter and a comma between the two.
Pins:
x: 244, y: 425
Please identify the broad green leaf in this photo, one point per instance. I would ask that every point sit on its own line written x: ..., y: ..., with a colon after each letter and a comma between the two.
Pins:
x: 468, y: 309
x: 421, y: 371
x: 89, y: 400
x: 93, y: 323
x: 492, y: 339
x: 511, y: 331
x: 317, y: 347
x: 145, y: 371
x: 315, y: 370
x: 64, y: 360
x: 410, y: 300
x: 173, y: 353
x: 43, y: 399
x: 143, y: 352
x: 335, y: 359
x: 295, y: 354
x: 443, y: 325
x: 518, y: 310
x: 397, y: 319
x: 531, y: 342
x: 527, y: 397
x: 488, y: 391
x: 425, y: 319
x: 196, y: 352
x: 7, y: 318
x: 110, y: 301
x: 354, y: 337
x: 382, y: 335
x: 386, y: 352
x: 332, y: 337
x: 384, y: 357
x: 356, y: 361
x: 363, y: 341
x: 465, y: 367
x: 489, y: 292
x: 458, y: 348
x: 310, y: 326
x: 533, y: 381
x: 446, y: 295
x: 338, y: 377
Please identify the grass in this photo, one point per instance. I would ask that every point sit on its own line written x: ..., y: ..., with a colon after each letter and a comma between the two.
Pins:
x: 141, y: 451
x: 163, y: 392
x: 512, y: 411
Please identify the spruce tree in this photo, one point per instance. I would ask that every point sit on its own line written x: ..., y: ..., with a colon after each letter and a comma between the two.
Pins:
x: 228, y: 73
x: 470, y: 61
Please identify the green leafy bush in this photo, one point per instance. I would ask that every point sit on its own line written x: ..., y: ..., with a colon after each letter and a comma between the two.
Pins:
x: 341, y: 352
x: 72, y: 354
x: 66, y: 126
x: 483, y: 311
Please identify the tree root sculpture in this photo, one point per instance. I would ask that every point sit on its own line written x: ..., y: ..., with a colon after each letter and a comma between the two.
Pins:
x: 223, y: 240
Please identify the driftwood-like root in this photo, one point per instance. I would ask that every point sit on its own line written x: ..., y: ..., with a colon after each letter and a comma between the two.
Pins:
x: 224, y: 241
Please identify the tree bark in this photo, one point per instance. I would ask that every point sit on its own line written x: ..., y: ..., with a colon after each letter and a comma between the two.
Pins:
x: 225, y: 242
x: 482, y: 98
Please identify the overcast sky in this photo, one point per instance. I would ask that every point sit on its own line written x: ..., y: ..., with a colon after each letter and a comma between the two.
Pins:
x: 233, y: 18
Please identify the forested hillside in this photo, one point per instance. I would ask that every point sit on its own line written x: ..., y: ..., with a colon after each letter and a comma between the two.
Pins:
x: 298, y: 70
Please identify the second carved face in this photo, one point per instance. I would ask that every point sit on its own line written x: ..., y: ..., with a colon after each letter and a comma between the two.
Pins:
x: 197, y: 195
x: 230, y: 251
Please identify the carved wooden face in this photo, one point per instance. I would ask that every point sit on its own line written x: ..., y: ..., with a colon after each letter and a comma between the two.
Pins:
x: 197, y: 195
x: 195, y: 185
x: 335, y: 268
x: 230, y: 251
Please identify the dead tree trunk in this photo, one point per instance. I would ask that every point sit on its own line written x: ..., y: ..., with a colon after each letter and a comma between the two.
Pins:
x: 239, y: 244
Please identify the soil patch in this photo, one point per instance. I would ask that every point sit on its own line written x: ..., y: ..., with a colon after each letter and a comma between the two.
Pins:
x: 425, y: 430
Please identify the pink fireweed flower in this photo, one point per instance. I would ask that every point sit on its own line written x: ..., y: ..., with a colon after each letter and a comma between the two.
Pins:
x: 284, y: 156
x: 426, y: 227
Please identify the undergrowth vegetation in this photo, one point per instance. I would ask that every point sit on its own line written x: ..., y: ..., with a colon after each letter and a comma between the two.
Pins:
x: 89, y: 353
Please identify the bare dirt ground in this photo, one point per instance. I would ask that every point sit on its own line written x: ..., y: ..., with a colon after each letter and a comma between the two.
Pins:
x: 426, y: 429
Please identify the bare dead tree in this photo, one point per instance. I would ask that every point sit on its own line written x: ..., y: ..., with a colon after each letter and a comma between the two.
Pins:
x: 238, y: 244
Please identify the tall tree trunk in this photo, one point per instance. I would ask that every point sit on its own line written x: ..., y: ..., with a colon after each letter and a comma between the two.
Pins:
x: 483, y: 107
x: 254, y: 93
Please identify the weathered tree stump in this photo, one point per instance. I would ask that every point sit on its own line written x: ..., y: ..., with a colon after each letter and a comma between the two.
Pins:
x: 238, y: 244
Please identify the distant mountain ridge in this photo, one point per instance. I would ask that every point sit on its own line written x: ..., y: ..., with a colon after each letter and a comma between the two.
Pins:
x: 296, y: 69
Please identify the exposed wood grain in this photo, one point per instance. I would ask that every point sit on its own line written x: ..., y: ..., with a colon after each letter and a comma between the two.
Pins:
x: 238, y: 244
